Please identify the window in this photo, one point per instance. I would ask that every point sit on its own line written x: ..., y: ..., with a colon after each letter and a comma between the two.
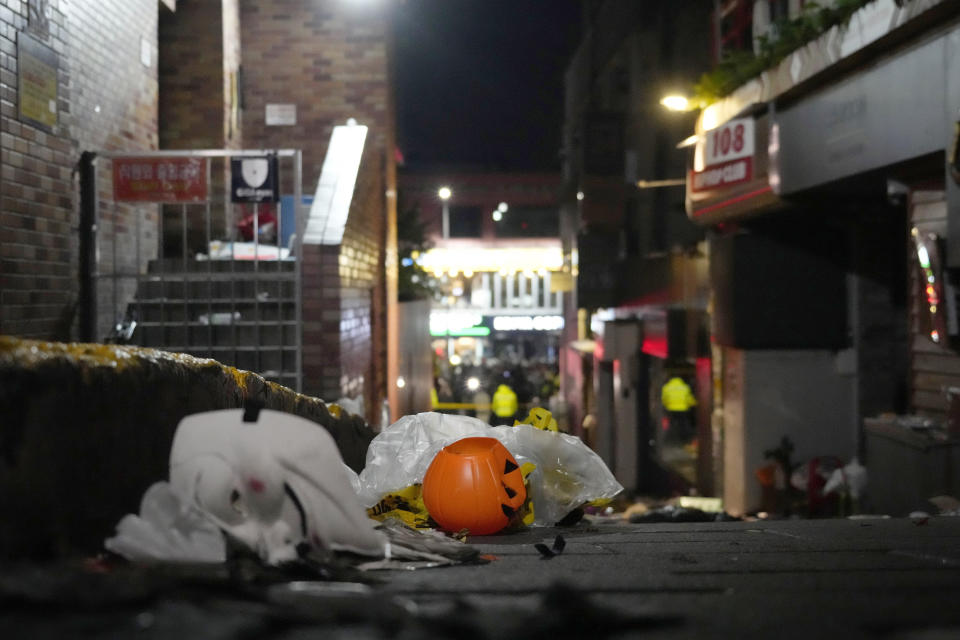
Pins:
x: 466, y: 222
x: 529, y: 222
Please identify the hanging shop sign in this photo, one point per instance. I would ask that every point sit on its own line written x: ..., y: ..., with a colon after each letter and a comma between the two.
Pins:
x: 727, y: 156
x: 160, y: 179
x: 254, y: 179
x: 37, y: 66
x: 729, y: 176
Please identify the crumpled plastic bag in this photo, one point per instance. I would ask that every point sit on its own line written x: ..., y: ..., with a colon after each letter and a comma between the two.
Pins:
x: 568, y: 474
x: 852, y: 478
x: 167, y: 530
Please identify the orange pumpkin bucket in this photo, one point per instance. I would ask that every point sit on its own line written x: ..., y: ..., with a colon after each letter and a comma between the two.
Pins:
x: 474, y: 484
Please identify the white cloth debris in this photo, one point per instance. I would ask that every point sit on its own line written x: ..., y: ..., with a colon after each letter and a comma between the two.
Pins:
x: 167, y: 530
x: 273, y: 483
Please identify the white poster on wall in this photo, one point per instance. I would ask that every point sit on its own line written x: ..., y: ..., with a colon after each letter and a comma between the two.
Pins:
x: 281, y: 115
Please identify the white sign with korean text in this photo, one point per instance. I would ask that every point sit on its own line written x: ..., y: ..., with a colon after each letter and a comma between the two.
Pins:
x: 281, y: 115
x: 730, y: 141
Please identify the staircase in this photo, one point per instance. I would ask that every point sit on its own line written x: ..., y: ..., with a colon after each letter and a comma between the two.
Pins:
x: 242, y: 313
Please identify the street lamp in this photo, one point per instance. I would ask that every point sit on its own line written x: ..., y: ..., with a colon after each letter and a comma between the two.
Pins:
x: 676, y: 102
x: 444, y: 194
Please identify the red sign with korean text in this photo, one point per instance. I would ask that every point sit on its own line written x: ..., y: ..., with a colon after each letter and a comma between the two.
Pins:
x: 160, y: 179
x: 721, y: 175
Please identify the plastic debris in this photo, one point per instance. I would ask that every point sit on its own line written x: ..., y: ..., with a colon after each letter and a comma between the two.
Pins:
x: 167, y: 530
x: 276, y: 485
x: 948, y: 505
x: 409, y: 548
x: 850, y: 478
x: 559, y: 544
x: 568, y: 474
x: 674, y: 513
x: 219, y: 319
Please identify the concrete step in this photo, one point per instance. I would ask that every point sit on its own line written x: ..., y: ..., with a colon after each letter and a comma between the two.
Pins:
x: 179, y: 265
x: 218, y: 312
x: 198, y: 335
x: 219, y: 286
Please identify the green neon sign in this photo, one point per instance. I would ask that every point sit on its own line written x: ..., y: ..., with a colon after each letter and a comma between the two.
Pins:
x: 467, y: 331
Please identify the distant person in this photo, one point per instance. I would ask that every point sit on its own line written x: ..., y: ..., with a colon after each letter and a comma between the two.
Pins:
x: 504, y: 405
x: 482, y: 399
x: 589, y: 429
x: 444, y: 395
x: 678, y: 400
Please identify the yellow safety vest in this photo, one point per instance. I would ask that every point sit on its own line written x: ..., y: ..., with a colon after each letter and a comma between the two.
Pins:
x: 504, y: 402
x: 676, y: 395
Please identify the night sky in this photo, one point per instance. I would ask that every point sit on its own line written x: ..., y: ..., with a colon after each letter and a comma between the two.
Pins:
x: 479, y: 83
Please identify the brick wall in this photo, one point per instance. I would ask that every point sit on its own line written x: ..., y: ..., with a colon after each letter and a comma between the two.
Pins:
x: 321, y: 321
x: 106, y: 100
x: 199, y: 56
x: 344, y: 330
x: 329, y: 59
x: 191, y: 100
x: 362, y: 322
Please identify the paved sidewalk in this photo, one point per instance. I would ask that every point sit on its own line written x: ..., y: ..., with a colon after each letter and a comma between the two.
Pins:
x: 776, y: 579
x: 773, y: 579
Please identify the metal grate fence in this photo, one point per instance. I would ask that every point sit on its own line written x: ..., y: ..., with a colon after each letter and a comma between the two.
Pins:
x: 171, y: 270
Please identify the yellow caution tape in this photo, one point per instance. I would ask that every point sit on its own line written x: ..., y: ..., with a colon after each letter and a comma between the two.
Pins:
x: 405, y: 505
x: 540, y: 418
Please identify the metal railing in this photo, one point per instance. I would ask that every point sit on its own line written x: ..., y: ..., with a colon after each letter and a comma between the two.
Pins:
x: 238, y: 303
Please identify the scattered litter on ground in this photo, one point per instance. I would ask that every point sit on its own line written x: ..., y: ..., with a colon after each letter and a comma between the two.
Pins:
x: 674, y: 513
x: 566, y: 473
x: 270, y: 486
x: 559, y: 543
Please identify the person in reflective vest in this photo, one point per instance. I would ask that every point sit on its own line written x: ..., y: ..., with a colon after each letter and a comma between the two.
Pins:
x: 678, y: 399
x: 504, y: 405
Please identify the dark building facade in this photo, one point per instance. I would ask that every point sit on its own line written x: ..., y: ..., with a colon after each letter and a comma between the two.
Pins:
x: 639, y: 314
x: 827, y: 188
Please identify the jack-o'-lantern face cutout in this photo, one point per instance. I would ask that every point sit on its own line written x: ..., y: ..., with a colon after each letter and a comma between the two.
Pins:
x: 474, y: 484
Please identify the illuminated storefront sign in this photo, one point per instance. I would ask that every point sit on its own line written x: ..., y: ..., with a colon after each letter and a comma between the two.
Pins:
x: 457, y: 323
x: 527, y: 323
x: 465, y: 323
x: 479, y: 259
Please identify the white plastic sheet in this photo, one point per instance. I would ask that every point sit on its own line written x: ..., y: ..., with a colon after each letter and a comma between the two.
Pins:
x: 568, y: 473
